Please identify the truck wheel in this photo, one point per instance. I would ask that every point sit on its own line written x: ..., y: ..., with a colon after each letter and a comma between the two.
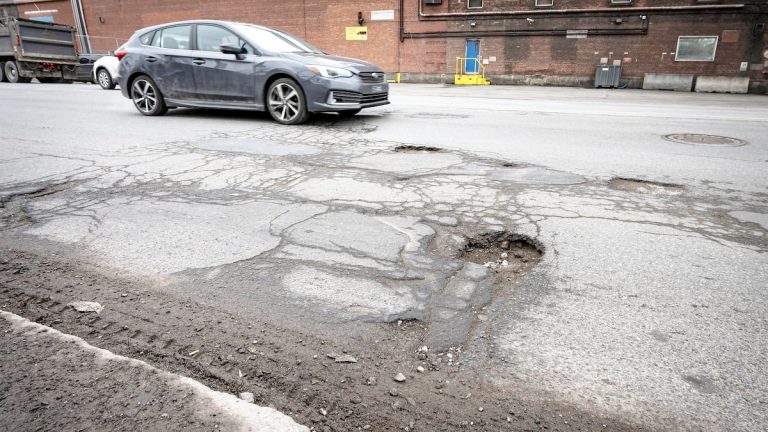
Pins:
x: 12, y: 73
x: 146, y: 97
x: 2, y: 74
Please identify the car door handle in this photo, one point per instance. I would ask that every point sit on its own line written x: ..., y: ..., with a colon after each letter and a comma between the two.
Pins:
x: 151, y: 59
x: 198, y: 61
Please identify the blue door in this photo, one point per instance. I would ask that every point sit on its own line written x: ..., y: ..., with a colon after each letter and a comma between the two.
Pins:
x: 472, y: 66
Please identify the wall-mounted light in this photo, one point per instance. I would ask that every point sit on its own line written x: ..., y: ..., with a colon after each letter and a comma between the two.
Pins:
x: 360, y: 19
x: 472, y: 23
x: 102, y: 20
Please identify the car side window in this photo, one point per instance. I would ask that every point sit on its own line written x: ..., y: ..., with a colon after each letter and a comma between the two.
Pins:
x: 210, y: 38
x: 146, y: 38
x: 176, y: 37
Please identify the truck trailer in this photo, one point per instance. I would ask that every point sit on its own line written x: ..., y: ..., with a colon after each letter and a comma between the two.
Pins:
x: 33, y: 49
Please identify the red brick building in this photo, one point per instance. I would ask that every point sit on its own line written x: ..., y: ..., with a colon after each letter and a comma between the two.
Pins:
x: 547, y: 42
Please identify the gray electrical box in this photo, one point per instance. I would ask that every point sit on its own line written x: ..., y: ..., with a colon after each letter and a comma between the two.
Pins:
x: 607, y: 76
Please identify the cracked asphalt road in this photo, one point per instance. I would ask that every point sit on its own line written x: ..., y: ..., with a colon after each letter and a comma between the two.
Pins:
x: 648, y: 304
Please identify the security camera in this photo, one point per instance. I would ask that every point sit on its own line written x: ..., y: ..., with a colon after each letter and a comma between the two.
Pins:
x: 530, y: 20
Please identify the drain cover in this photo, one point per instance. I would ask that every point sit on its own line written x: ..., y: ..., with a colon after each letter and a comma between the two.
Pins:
x: 701, y: 139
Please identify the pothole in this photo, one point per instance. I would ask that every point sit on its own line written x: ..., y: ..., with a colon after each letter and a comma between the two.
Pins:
x: 644, y: 186
x: 12, y: 203
x: 415, y: 148
x: 703, y: 139
x: 509, y: 255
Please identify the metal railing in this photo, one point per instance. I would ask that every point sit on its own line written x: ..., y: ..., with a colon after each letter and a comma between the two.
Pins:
x: 469, y: 66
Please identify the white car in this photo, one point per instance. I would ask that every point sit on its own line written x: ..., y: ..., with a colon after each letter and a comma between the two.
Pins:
x: 105, y: 71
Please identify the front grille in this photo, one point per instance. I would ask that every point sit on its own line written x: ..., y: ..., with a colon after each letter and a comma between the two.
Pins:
x: 372, y: 77
x: 345, y: 97
x: 348, y: 97
x: 376, y: 97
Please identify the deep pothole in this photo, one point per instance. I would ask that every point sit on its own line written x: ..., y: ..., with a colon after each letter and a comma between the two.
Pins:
x: 703, y: 139
x: 417, y: 149
x: 507, y: 254
x: 644, y: 186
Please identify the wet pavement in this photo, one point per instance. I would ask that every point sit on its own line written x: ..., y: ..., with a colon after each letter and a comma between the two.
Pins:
x: 648, y: 302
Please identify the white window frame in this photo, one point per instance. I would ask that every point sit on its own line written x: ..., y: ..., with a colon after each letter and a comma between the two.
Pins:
x: 544, y: 3
x: 474, y: 7
x: 714, y: 51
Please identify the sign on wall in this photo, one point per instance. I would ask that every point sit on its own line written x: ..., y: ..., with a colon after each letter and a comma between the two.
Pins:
x: 383, y: 15
x: 357, y: 33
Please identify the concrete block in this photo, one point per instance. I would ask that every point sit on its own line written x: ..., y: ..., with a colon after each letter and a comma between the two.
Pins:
x: 722, y: 84
x: 676, y: 82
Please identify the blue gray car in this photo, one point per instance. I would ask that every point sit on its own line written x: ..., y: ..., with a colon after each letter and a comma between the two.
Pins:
x: 222, y: 64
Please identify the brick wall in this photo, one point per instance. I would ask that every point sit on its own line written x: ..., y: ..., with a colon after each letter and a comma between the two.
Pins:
x: 525, y: 40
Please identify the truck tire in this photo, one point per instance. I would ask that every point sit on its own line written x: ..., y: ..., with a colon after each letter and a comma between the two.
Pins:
x: 2, y: 74
x: 11, y: 70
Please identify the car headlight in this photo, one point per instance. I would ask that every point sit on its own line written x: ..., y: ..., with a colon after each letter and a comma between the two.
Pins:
x: 330, y: 72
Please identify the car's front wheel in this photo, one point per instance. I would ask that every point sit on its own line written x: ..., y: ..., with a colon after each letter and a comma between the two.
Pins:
x: 105, y: 79
x: 146, y: 97
x: 286, y: 103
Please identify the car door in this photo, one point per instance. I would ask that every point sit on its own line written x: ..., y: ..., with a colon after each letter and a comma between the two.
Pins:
x: 168, y: 61
x: 219, y: 77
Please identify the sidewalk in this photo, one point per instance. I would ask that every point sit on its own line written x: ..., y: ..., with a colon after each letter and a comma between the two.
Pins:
x: 53, y: 381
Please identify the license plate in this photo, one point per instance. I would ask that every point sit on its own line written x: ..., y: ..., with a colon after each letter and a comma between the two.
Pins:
x: 376, y: 88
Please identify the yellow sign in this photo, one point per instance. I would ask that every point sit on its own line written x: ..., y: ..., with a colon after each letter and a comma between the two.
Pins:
x: 357, y: 33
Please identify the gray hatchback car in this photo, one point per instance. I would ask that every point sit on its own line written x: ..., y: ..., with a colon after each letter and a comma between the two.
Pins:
x: 222, y: 64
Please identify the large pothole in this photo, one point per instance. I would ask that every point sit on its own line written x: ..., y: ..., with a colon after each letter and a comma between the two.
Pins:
x: 644, y: 186
x: 494, y: 262
x: 507, y: 254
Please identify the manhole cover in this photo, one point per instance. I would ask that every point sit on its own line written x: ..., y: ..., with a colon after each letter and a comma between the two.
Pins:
x: 702, y: 139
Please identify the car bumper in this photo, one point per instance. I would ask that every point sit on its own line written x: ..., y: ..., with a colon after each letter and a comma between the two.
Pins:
x: 345, y: 94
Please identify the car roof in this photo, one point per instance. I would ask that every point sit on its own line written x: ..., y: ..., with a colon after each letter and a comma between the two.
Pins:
x: 199, y: 21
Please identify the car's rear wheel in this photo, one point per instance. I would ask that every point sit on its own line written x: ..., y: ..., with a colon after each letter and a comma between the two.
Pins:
x: 105, y: 79
x: 146, y: 97
x: 11, y: 70
x: 286, y: 103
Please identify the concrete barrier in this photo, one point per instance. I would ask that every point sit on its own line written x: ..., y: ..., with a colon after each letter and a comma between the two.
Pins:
x: 722, y: 84
x: 676, y: 82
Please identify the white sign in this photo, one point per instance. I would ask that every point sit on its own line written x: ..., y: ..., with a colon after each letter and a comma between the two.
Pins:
x: 383, y: 15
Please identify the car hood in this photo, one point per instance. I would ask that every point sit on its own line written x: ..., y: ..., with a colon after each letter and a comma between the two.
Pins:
x: 354, y: 65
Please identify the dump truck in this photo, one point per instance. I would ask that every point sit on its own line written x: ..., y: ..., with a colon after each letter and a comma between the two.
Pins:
x: 34, y: 49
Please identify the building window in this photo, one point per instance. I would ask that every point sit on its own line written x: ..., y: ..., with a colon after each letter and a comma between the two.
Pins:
x: 696, y: 48
x: 621, y: 2
x: 474, y: 4
x: 544, y: 3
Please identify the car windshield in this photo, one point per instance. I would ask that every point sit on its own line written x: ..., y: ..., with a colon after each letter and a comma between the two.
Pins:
x: 275, y: 41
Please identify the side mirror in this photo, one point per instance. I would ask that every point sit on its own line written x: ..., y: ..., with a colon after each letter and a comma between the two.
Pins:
x: 238, y: 51
x: 84, y: 60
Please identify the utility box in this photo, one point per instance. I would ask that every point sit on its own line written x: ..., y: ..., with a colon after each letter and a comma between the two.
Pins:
x: 607, y: 76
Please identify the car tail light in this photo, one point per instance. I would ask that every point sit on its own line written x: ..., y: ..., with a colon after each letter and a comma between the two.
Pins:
x: 120, y: 54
